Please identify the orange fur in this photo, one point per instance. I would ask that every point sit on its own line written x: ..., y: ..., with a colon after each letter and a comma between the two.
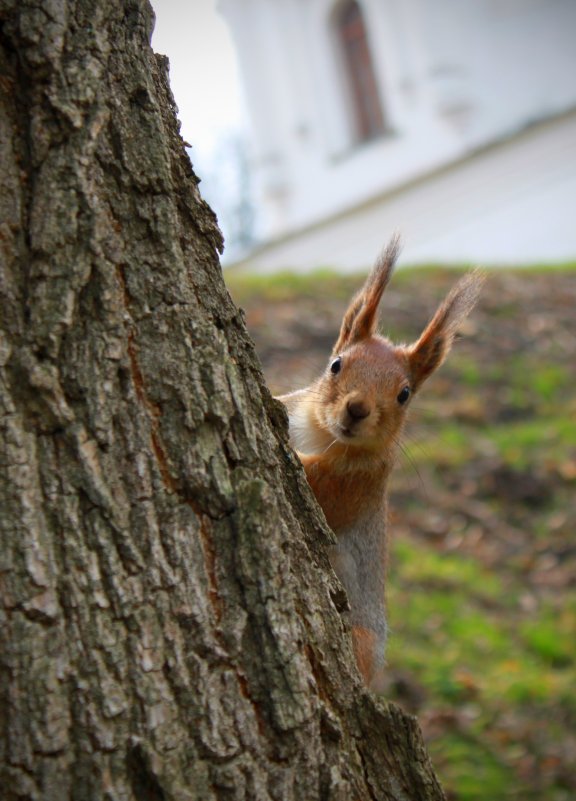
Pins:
x: 342, y: 492
x: 364, y: 642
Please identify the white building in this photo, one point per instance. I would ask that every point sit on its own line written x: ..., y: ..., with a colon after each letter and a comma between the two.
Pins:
x: 453, y: 121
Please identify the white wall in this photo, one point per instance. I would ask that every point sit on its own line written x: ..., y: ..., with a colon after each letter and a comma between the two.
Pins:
x: 454, y: 75
x: 513, y: 203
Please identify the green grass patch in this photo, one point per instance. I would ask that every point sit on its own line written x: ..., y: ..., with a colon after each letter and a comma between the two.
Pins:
x: 475, y: 770
x: 552, y: 438
x: 554, y: 267
x: 548, y: 381
x: 519, y: 444
x: 550, y: 636
x: 462, y: 633
x: 470, y: 372
x: 450, y: 446
x: 528, y: 379
x: 448, y: 571
x: 286, y: 285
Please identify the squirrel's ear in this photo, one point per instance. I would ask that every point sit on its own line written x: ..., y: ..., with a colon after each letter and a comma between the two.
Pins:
x: 361, y: 316
x: 431, y: 349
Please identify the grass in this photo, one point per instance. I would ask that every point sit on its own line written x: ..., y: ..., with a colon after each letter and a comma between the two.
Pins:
x: 460, y: 632
x: 551, y: 636
x: 479, y: 773
x: 466, y: 613
x: 287, y: 285
x: 551, y: 440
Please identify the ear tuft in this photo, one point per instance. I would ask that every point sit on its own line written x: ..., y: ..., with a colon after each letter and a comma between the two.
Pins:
x: 431, y: 349
x: 361, y: 317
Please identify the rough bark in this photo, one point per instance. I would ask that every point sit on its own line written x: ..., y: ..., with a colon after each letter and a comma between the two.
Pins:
x: 170, y: 624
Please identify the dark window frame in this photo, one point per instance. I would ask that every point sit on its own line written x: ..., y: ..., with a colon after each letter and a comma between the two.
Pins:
x: 365, y: 100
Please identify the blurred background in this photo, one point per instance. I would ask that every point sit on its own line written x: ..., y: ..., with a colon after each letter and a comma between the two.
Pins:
x: 318, y: 127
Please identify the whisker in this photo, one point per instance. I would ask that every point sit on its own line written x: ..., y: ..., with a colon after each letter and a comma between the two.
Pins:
x: 406, y: 454
x: 329, y: 446
x: 418, y: 445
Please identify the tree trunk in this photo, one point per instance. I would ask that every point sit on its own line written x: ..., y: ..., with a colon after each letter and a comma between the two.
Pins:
x: 170, y: 623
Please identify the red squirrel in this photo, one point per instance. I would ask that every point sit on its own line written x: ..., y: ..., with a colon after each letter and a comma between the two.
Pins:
x: 346, y: 427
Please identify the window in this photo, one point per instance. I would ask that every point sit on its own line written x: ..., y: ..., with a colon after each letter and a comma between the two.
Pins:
x: 363, y: 89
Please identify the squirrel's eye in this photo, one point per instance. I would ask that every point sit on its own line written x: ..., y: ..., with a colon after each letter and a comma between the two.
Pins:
x: 336, y: 365
x: 403, y: 396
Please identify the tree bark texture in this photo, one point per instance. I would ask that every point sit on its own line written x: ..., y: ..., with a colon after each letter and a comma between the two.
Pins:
x: 170, y: 625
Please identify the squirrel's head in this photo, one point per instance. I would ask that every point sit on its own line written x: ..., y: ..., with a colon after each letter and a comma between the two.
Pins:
x: 362, y: 398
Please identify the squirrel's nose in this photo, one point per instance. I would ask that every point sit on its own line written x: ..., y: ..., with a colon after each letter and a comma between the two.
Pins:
x: 358, y: 409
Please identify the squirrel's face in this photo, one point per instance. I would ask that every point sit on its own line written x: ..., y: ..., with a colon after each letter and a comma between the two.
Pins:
x: 362, y: 397
x: 365, y: 393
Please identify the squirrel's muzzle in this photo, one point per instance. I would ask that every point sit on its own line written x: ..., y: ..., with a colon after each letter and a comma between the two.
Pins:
x: 357, y: 410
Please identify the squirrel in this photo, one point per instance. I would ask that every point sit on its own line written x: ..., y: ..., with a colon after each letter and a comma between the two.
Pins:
x: 345, y: 428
